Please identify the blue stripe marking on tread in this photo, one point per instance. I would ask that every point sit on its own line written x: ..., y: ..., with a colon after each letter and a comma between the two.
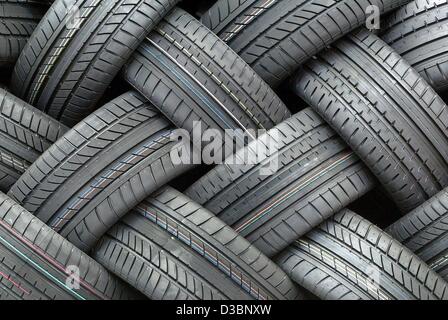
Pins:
x: 188, y: 84
x: 48, y: 275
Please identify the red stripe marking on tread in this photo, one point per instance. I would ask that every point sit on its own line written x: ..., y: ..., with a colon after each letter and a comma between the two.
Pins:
x: 17, y: 285
x: 53, y: 262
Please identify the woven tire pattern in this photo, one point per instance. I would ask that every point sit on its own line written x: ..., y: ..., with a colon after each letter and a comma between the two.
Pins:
x: 299, y: 114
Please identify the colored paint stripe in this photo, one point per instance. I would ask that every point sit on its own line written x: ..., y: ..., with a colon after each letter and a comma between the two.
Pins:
x: 212, y: 76
x: 106, y: 178
x: 290, y: 193
x: 203, y: 251
x: 14, y: 283
x: 46, y: 257
x: 187, y: 83
x: 42, y: 270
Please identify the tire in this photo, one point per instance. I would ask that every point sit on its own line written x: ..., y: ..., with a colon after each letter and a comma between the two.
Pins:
x: 425, y: 232
x: 25, y: 133
x: 18, y: 19
x: 348, y: 258
x: 385, y: 111
x: 276, y: 37
x: 38, y: 264
x: 419, y: 33
x: 317, y: 177
x: 78, y: 49
x: 172, y: 248
x: 100, y: 170
x: 191, y: 75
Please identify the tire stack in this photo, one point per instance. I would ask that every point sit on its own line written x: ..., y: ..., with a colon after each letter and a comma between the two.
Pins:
x: 95, y: 205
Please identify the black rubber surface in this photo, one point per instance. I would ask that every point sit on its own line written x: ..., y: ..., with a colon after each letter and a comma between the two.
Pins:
x: 349, y: 258
x: 172, y: 248
x: 78, y: 49
x: 38, y: 264
x: 191, y: 75
x: 425, y: 232
x: 276, y: 36
x: 18, y: 19
x: 100, y: 170
x: 419, y: 32
x: 385, y: 111
x: 25, y: 133
x: 307, y: 174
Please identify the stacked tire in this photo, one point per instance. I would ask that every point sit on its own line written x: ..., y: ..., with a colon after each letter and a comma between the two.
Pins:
x: 101, y: 99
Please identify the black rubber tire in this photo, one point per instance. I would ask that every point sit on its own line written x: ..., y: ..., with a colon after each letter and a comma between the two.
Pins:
x: 25, y: 133
x: 100, y: 170
x: 349, y: 258
x: 37, y: 264
x: 419, y: 32
x: 276, y: 37
x: 191, y: 75
x: 317, y: 177
x: 385, y: 111
x: 425, y: 232
x: 18, y: 19
x: 68, y: 63
x: 172, y: 248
